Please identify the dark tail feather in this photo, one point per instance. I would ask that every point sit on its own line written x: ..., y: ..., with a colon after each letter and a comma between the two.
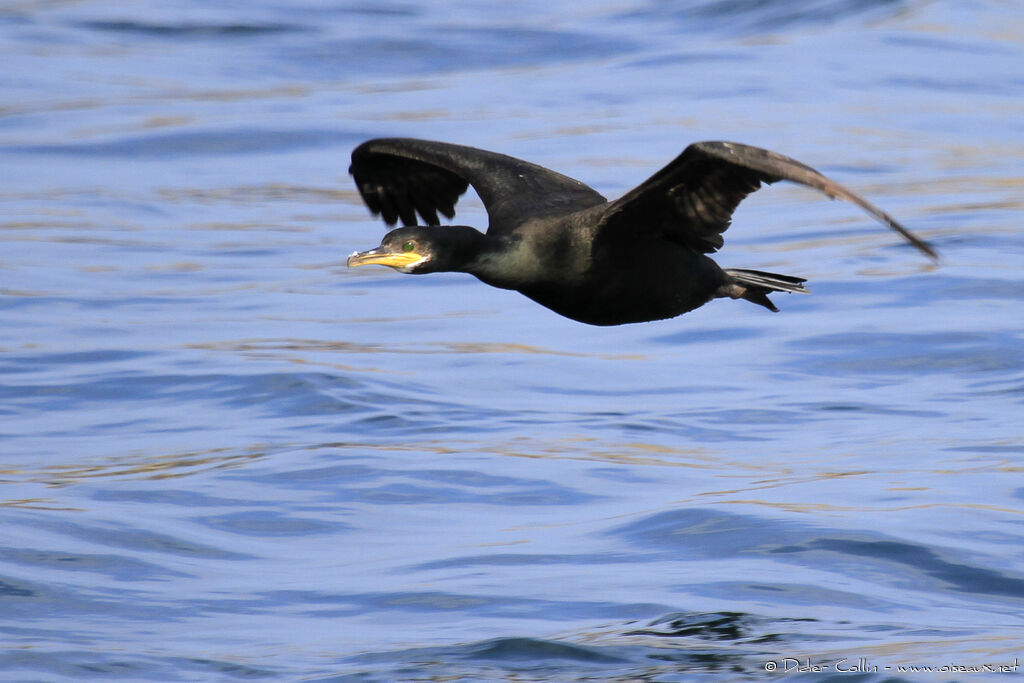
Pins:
x: 754, y: 285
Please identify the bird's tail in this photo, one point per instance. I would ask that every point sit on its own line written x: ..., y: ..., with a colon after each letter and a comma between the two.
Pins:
x: 754, y: 285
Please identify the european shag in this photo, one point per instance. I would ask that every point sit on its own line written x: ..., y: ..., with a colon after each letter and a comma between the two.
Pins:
x: 641, y: 257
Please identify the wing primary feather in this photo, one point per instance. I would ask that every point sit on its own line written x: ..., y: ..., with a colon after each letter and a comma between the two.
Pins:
x: 426, y: 211
x: 447, y: 208
x: 388, y: 210
x: 407, y: 211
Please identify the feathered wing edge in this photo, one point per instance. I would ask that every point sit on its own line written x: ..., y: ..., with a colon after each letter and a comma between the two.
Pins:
x: 696, y: 193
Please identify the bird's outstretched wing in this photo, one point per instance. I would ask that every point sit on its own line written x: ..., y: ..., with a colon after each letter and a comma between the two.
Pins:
x: 401, y: 177
x: 692, y: 199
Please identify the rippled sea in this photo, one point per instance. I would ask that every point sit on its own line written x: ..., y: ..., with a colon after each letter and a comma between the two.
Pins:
x: 224, y: 455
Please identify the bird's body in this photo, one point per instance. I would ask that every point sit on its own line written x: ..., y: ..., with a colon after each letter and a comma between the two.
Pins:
x: 560, y: 243
x: 579, y: 275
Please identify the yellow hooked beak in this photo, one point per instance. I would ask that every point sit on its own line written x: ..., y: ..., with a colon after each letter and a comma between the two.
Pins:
x: 380, y: 257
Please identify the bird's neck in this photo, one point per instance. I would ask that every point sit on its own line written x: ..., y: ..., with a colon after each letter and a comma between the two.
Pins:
x: 501, y: 262
x: 467, y: 250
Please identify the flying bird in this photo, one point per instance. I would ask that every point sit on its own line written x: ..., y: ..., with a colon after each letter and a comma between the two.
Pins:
x: 641, y: 257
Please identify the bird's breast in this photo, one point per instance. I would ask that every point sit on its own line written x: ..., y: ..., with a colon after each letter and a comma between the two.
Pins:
x: 635, y: 283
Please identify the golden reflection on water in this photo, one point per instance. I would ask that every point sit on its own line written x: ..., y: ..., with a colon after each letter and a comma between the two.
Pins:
x: 37, y: 504
x: 751, y: 475
x: 775, y: 473
x: 140, y: 466
x: 571, y: 447
x: 424, y: 348
x: 269, y: 192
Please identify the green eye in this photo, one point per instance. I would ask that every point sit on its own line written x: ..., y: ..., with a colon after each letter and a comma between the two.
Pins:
x: 409, y: 246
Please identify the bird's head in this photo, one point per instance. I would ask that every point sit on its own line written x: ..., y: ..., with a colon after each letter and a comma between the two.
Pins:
x: 424, y: 249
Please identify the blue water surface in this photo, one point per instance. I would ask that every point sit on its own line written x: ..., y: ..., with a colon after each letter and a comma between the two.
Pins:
x: 224, y: 455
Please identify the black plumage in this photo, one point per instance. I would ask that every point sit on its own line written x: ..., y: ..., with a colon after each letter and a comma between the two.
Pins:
x: 641, y: 257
